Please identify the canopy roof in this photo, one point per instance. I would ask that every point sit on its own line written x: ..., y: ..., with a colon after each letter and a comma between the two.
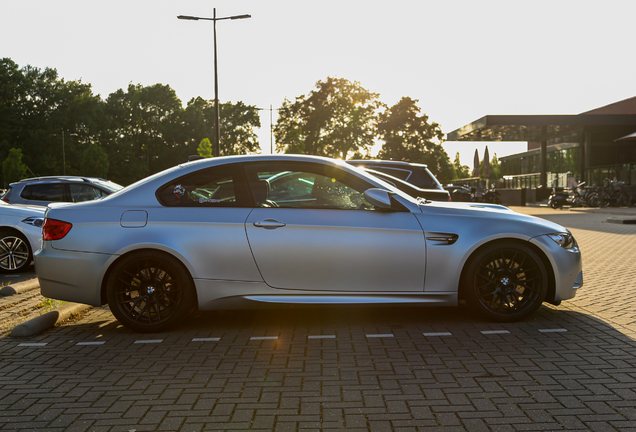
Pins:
x: 537, y: 128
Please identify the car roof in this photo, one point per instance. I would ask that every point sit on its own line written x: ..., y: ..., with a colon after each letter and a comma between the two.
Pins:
x: 59, y: 178
x: 387, y: 163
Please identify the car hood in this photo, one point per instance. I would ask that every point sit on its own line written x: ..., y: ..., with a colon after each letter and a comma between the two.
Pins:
x: 492, y: 215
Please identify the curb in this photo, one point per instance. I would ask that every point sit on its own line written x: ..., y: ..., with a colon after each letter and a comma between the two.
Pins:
x: 48, y: 320
x: 20, y: 287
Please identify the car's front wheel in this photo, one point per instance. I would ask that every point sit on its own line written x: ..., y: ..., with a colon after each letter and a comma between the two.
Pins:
x: 149, y: 291
x: 15, y: 252
x: 505, y: 281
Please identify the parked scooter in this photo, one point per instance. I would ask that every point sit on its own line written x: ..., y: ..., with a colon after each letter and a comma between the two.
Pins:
x: 487, y: 196
x: 561, y: 197
x: 492, y: 196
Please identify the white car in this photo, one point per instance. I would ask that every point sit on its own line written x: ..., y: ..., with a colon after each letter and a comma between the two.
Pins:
x: 20, y: 235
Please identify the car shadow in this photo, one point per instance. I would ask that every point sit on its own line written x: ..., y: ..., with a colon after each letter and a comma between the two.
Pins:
x: 298, y: 323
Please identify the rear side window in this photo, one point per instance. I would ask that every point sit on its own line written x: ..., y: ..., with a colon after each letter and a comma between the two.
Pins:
x: 83, y: 192
x: 430, y: 182
x: 395, y: 172
x: 213, y: 187
x: 44, y: 192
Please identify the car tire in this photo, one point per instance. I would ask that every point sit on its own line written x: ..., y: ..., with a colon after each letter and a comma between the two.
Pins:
x: 150, y: 291
x: 505, y: 281
x: 15, y: 251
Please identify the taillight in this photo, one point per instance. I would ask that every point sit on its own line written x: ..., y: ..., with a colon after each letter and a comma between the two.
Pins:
x: 54, y: 229
x: 5, y: 200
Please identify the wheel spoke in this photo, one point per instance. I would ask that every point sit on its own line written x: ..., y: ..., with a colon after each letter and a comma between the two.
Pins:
x: 5, y: 247
x: 17, y: 243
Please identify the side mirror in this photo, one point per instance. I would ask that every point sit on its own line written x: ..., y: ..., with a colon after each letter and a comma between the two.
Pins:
x: 378, y: 197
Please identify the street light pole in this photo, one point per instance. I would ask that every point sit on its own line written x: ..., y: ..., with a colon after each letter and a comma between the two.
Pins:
x: 217, y: 121
x: 271, y: 126
x: 63, y: 151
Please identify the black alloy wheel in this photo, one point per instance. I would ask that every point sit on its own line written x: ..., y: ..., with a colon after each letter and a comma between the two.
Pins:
x: 15, y: 252
x: 505, y: 282
x: 149, y: 291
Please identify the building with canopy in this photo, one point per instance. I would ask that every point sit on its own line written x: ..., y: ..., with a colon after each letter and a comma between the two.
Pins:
x: 588, y: 146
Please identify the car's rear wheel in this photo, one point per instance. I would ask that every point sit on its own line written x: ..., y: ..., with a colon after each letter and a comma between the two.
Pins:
x: 15, y: 252
x: 506, y: 281
x: 149, y: 291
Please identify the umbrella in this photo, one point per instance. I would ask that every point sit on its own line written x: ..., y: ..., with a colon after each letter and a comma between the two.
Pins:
x: 486, y: 163
x: 630, y: 137
x: 476, y: 164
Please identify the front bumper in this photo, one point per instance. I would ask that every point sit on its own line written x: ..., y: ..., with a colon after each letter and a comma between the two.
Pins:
x: 567, y: 266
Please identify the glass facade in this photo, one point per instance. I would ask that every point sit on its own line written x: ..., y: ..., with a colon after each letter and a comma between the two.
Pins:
x: 523, y: 170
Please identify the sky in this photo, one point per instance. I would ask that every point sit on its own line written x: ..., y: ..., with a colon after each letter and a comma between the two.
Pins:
x: 461, y: 59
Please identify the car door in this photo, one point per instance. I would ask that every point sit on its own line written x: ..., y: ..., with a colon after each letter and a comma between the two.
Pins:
x: 313, y: 230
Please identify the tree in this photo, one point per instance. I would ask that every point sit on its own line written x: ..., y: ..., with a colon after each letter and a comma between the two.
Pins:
x: 238, y: 124
x: 13, y: 169
x: 145, y: 134
x: 36, y: 104
x: 461, y: 171
x: 409, y: 137
x: 336, y: 119
x: 94, y: 162
x: 205, y: 148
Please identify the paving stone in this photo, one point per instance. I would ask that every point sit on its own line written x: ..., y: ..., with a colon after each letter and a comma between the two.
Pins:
x: 580, y: 379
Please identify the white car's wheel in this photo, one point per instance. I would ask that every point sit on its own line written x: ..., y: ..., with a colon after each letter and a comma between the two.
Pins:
x: 15, y: 252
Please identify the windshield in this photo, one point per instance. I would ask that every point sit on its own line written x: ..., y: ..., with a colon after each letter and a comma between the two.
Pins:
x: 385, y: 184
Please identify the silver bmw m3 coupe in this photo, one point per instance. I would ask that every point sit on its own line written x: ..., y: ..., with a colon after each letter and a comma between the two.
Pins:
x: 237, y: 231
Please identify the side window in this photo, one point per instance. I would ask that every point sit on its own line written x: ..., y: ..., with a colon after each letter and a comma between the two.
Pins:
x: 395, y: 172
x: 44, y: 192
x: 306, y: 185
x: 214, y: 187
x: 83, y: 192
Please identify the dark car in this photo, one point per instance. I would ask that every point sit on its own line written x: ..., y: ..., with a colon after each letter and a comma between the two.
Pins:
x: 459, y: 193
x: 417, y: 174
x: 411, y: 189
x: 44, y: 190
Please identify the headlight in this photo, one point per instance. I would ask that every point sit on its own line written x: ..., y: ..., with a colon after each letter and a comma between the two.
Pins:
x: 565, y: 240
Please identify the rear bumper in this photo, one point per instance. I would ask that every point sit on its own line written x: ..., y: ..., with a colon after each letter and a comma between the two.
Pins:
x: 70, y: 276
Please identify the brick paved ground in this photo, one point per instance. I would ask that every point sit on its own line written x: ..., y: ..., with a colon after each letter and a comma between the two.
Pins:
x: 571, y: 367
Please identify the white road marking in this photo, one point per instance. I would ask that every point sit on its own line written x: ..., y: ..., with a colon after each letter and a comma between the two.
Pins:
x: 214, y: 339
x: 438, y: 334
x: 379, y: 335
x: 263, y: 337
x: 149, y: 341
x: 487, y: 332
x: 321, y: 337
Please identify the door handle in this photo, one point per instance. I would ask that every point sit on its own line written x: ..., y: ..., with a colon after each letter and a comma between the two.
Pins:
x: 269, y: 223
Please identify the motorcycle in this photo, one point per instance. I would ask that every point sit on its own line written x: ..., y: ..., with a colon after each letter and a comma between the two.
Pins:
x: 492, y: 196
x: 561, y: 197
x: 487, y: 196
